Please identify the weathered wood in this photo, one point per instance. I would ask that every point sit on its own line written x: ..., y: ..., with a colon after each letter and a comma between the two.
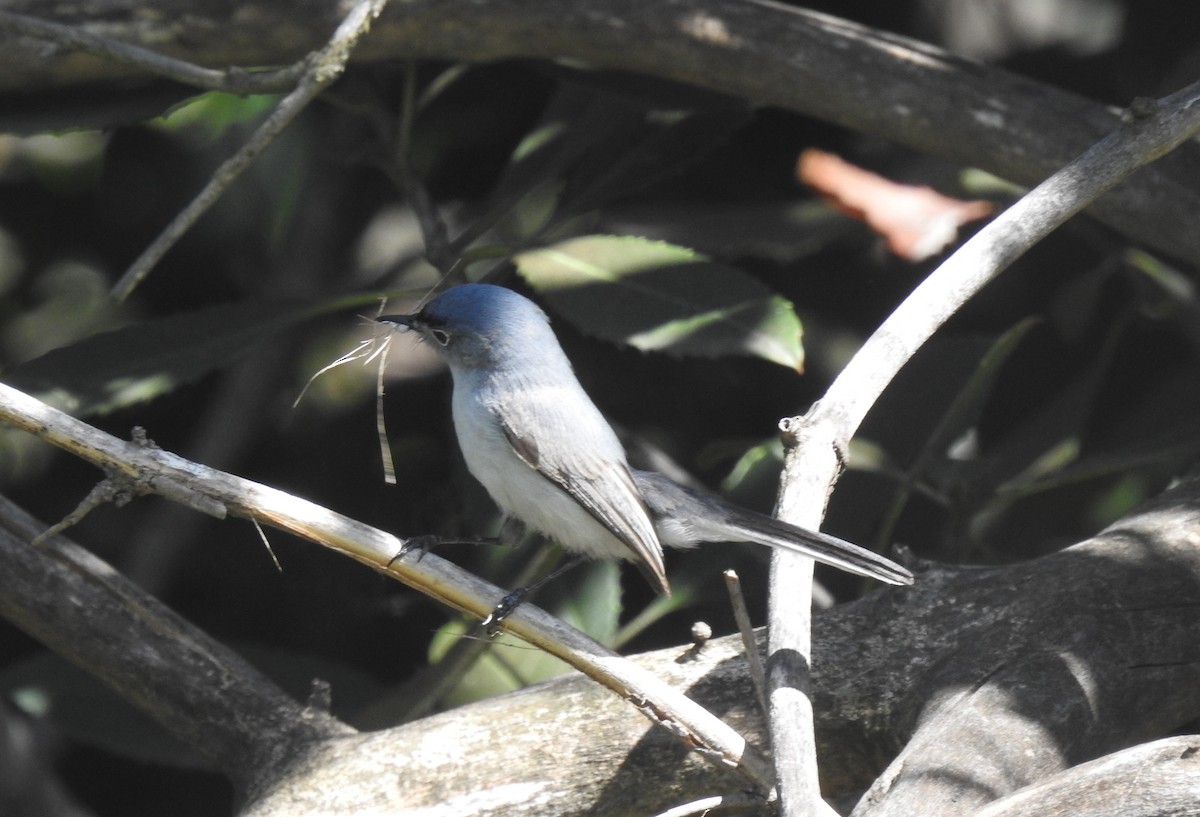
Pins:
x: 1159, y: 779
x: 865, y: 80
x: 996, y: 678
x: 205, y: 694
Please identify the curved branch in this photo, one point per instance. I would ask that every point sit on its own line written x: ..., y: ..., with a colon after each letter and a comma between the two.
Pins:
x: 1153, y: 780
x: 869, y: 81
x: 1159, y: 128
x: 818, y: 438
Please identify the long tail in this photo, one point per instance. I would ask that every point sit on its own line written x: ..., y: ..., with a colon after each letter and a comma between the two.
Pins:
x: 766, y: 530
x: 684, y: 517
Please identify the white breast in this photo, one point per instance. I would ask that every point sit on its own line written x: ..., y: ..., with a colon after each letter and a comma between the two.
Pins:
x: 519, y: 489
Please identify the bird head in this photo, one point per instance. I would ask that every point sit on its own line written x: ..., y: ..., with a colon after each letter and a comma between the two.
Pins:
x: 483, y: 326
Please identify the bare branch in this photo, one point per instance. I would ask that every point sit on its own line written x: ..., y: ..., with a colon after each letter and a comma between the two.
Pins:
x: 818, y: 438
x: 431, y: 575
x: 869, y: 81
x: 1161, y: 127
x: 741, y: 614
x: 1022, y: 696
x: 234, y: 80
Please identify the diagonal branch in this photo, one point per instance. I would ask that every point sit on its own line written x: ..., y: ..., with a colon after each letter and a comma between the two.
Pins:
x: 1158, y: 128
x: 206, y: 695
x: 149, y: 466
x: 1007, y: 680
x: 324, y: 67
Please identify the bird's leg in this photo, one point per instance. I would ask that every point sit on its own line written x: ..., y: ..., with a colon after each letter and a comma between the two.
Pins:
x: 426, y: 542
x: 509, y: 604
x: 512, y: 531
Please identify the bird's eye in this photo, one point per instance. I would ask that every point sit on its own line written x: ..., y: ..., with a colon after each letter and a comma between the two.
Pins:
x: 441, y: 336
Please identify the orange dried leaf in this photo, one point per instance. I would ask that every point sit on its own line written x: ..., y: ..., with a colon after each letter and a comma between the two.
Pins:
x: 917, y: 221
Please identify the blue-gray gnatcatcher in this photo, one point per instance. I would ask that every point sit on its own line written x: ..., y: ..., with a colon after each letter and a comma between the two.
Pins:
x: 550, y: 460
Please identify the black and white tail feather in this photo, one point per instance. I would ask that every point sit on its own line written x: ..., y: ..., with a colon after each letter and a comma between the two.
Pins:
x: 683, y: 518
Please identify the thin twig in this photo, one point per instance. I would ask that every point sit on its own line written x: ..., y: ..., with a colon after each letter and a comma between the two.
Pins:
x: 120, y: 488
x: 741, y: 614
x: 233, y: 80
x: 326, y: 66
x: 262, y: 534
x: 438, y: 250
x: 107, y: 490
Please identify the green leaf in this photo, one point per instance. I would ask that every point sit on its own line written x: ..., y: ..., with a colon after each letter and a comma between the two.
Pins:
x: 782, y: 232
x: 756, y: 472
x: 662, y: 297
x: 508, y: 665
x: 593, y: 604
x: 111, y: 370
x: 686, y: 591
x: 209, y: 115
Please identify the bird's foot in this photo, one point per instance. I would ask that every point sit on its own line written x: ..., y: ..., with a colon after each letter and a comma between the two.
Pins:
x: 506, y: 607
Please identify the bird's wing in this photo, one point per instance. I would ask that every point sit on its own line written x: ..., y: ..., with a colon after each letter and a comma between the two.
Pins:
x: 604, y: 487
